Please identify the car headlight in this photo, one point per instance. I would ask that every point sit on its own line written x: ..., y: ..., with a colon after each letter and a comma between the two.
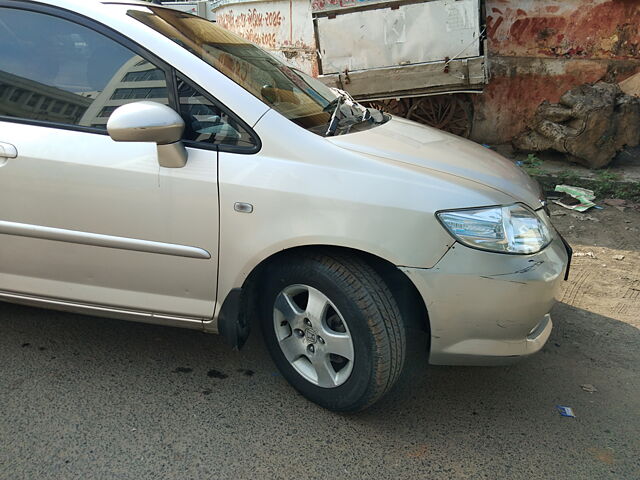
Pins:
x: 514, y: 229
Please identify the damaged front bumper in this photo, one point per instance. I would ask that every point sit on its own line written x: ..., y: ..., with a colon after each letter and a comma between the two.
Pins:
x: 489, y: 308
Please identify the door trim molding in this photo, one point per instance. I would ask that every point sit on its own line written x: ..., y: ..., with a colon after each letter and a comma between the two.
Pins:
x: 101, y: 240
x: 102, y: 310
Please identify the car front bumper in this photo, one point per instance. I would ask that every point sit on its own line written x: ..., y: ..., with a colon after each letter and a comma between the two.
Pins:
x: 488, y: 308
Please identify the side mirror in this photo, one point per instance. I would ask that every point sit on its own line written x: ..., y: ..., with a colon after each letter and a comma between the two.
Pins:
x: 146, y: 121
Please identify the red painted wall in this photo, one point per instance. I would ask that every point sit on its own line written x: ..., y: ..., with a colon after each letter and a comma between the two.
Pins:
x: 539, y: 49
x: 572, y: 28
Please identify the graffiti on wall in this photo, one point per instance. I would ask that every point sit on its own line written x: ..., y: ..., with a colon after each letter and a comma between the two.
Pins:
x: 251, y: 18
x: 283, y: 27
x: 253, y: 25
x: 274, y: 25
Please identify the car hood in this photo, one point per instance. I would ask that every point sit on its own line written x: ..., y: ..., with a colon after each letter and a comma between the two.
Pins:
x: 405, y: 141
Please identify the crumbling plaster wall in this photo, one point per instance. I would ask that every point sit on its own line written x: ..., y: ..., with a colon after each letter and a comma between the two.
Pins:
x: 539, y: 49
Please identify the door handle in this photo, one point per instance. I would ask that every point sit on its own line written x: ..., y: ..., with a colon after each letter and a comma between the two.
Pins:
x: 7, y: 150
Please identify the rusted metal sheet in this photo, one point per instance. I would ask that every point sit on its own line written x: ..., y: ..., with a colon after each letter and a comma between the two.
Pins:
x: 408, y: 34
x: 284, y: 27
x: 608, y: 29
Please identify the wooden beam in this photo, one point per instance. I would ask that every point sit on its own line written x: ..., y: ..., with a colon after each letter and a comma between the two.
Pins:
x: 411, y: 80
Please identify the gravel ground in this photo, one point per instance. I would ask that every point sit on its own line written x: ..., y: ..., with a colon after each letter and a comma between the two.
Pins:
x: 82, y: 397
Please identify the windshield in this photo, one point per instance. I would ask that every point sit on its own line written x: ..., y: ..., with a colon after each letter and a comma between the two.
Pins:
x: 299, y: 97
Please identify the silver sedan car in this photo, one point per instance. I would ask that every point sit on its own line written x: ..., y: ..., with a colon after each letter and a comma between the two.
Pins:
x: 157, y: 168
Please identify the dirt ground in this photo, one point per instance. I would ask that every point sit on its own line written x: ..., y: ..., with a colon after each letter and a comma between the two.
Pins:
x: 605, y: 271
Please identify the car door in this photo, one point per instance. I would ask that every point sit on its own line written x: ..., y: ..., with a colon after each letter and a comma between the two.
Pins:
x: 83, y: 219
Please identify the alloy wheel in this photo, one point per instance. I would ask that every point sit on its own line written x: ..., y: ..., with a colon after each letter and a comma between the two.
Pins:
x: 313, y: 335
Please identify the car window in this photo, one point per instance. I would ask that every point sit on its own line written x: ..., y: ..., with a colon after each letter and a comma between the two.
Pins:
x: 263, y: 75
x: 55, y: 70
x: 206, y: 122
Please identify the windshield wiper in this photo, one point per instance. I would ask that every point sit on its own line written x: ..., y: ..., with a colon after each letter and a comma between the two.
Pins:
x: 333, y: 123
x: 354, y: 114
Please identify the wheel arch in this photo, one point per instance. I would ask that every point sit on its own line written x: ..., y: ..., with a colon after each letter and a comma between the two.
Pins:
x: 412, y: 306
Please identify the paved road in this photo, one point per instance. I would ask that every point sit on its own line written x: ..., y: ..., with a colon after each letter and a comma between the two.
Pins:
x: 82, y: 397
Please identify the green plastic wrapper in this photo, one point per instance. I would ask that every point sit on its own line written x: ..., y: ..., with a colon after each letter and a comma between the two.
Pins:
x: 583, y: 195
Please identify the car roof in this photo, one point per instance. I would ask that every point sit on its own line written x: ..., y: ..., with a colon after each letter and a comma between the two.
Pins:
x: 129, y: 2
x: 69, y: 3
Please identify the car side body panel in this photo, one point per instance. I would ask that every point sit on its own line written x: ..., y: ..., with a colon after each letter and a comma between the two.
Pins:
x: 307, y: 191
x: 102, y: 203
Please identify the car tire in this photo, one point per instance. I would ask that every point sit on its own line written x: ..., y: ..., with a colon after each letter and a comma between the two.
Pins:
x: 333, y: 329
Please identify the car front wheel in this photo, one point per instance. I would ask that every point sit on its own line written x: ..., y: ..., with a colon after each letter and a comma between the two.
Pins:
x: 333, y: 329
